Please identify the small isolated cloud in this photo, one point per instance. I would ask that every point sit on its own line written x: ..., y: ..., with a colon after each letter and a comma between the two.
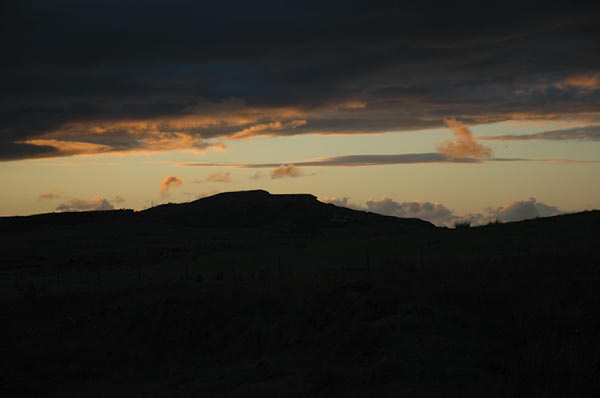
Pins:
x: 168, y: 183
x: 50, y: 195
x: 83, y: 204
x: 118, y: 199
x: 286, y: 170
x: 219, y: 177
x: 464, y: 146
x: 436, y: 213
x: 258, y: 175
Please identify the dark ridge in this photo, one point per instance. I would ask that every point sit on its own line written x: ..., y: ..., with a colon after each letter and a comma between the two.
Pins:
x: 259, y: 208
x: 66, y: 219
x: 247, y: 209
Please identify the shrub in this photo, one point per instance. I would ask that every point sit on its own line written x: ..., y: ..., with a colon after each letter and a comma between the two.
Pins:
x: 462, y: 224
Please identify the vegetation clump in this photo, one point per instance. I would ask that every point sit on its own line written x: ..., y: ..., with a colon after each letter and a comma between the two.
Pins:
x: 462, y: 224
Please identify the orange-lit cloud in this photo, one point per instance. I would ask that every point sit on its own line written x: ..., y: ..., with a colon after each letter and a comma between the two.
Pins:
x: 84, y: 204
x: 464, y: 146
x: 266, y: 129
x: 286, y: 170
x: 169, y: 182
x: 585, y: 82
x: 69, y: 148
x: 202, y: 127
x: 176, y: 141
x: 219, y: 177
x: 144, y: 143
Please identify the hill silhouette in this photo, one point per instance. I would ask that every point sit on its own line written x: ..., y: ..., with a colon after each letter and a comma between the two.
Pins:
x: 256, y: 208
x: 260, y: 208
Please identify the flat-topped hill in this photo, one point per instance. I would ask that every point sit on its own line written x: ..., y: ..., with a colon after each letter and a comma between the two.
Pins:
x: 257, y: 208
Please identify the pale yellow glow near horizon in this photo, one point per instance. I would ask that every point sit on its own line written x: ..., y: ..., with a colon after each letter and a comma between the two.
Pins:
x: 464, y: 188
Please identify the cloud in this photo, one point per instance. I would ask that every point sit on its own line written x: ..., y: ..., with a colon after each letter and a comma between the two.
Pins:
x: 464, y: 146
x: 286, y: 170
x: 309, y: 69
x: 128, y: 142
x: 167, y: 183
x: 589, y: 133
x: 266, y: 128
x: 568, y: 161
x: 436, y: 213
x: 355, y: 160
x: 378, y: 160
x: 523, y: 210
x: 219, y: 177
x: 118, y: 199
x: 258, y: 175
x: 513, y: 211
x: 440, y: 215
x: 69, y: 148
x: 84, y: 204
x: 342, y: 202
x: 50, y: 195
x: 586, y: 82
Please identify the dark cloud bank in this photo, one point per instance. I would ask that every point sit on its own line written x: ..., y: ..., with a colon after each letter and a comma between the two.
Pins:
x: 104, y: 76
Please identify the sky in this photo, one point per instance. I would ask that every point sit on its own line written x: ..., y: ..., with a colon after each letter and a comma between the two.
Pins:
x: 443, y: 113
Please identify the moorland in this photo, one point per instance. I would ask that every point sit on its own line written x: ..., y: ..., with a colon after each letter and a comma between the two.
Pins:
x: 248, y: 294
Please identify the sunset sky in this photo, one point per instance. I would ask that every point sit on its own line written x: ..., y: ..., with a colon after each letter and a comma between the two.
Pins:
x: 415, y: 111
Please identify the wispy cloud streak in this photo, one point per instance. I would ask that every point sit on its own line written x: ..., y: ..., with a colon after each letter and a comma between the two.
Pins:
x: 589, y: 133
x: 359, y: 160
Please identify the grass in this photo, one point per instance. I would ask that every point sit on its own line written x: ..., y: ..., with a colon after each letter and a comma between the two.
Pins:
x: 509, y: 312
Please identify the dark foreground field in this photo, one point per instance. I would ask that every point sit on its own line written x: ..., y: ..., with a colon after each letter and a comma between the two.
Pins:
x: 268, y: 305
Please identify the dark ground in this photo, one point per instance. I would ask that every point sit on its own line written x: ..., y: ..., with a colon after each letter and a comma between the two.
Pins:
x: 329, y: 303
